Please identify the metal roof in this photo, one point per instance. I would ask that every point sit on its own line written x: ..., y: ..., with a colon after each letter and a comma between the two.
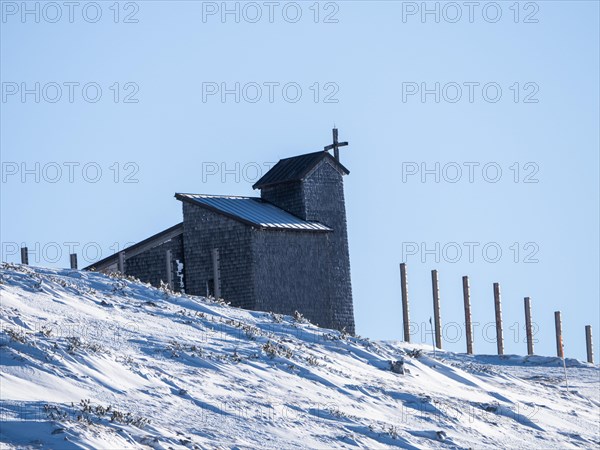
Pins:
x: 296, y: 168
x: 252, y: 211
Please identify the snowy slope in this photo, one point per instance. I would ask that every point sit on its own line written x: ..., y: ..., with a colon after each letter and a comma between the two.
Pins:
x: 91, y: 361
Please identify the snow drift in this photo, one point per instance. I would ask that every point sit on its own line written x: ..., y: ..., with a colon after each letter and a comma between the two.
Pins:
x: 94, y: 361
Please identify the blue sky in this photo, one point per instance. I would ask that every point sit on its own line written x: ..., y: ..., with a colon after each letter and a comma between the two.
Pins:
x: 168, y: 131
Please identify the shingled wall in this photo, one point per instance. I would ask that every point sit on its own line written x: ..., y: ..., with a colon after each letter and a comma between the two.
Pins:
x: 322, y: 289
x: 204, y: 230
x: 291, y: 274
x: 323, y: 192
x: 287, y: 196
x: 150, y: 266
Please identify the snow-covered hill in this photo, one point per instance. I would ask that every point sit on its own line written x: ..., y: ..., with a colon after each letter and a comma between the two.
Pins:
x: 91, y: 361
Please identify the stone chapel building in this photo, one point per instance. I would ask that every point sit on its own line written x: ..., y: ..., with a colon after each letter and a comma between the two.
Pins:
x: 284, y: 251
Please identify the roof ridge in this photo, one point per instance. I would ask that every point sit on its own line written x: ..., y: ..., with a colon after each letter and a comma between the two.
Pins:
x: 303, y: 154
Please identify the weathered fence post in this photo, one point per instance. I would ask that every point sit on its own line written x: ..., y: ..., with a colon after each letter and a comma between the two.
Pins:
x: 121, y: 263
x: 468, y: 326
x: 528, y: 329
x: 588, y: 344
x: 24, y: 255
x: 73, y: 260
x: 436, y: 309
x: 498, y: 308
x: 559, y: 340
x: 169, y: 267
x: 216, y: 273
x: 405, y: 312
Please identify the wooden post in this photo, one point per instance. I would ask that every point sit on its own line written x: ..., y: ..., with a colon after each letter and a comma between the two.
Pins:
x: 436, y: 309
x: 216, y: 273
x: 121, y: 263
x: 588, y: 344
x: 498, y: 307
x: 73, y: 260
x: 468, y: 326
x: 559, y: 340
x: 169, y: 267
x: 405, y: 312
x: 24, y: 255
x: 528, y: 329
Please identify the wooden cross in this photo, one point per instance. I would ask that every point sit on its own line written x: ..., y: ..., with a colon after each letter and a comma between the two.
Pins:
x: 335, y: 146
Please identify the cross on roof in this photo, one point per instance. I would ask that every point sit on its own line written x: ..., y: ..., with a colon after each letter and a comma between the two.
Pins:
x: 335, y: 146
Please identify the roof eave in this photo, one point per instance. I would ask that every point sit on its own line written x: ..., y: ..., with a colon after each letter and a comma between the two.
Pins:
x: 343, y: 169
x: 174, y: 230
x: 184, y: 198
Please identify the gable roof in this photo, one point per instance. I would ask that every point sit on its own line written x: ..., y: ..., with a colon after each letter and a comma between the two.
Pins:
x: 296, y: 168
x: 252, y: 211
